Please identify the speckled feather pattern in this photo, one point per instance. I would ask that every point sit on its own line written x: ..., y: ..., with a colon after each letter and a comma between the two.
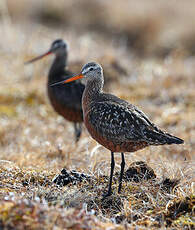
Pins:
x: 121, y: 127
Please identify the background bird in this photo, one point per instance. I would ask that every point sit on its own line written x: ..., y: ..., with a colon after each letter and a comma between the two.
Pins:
x: 114, y: 123
x: 66, y: 102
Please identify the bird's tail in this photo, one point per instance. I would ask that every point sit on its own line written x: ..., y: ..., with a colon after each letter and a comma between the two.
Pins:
x: 162, y: 138
x: 170, y: 139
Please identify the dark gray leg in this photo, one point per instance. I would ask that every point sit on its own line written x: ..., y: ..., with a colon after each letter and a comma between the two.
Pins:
x: 78, y: 131
x: 122, y: 171
x: 111, y: 175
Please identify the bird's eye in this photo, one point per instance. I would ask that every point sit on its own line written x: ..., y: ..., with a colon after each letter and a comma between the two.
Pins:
x: 91, y: 69
x: 55, y: 45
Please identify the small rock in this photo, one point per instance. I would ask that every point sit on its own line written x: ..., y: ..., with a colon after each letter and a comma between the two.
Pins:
x: 139, y: 171
x: 69, y: 177
x: 168, y: 184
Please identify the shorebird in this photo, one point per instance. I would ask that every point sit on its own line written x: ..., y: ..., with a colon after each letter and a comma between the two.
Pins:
x: 114, y: 123
x: 66, y: 102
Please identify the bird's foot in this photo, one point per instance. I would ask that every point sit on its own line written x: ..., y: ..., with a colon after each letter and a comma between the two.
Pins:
x: 105, y: 195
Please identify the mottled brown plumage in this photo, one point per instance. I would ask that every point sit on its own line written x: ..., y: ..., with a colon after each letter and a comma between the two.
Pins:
x: 65, y: 101
x: 114, y: 123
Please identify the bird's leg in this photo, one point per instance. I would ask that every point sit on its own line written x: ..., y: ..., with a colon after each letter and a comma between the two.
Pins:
x: 78, y: 131
x: 122, y: 171
x: 111, y: 175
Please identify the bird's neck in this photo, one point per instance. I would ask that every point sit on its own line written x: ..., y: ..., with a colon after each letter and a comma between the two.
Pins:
x: 92, y: 91
x: 57, y: 68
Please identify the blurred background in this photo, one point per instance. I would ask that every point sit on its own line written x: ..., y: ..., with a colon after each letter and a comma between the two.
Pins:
x: 152, y: 28
x: 147, y: 49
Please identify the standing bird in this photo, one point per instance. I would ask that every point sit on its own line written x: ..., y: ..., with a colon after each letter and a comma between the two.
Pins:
x: 114, y: 123
x: 66, y: 102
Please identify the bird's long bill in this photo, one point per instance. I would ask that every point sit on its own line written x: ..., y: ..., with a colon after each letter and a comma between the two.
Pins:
x: 39, y: 57
x: 68, y: 80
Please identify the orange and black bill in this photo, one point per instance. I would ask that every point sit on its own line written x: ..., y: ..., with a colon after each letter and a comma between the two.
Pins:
x: 39, y: 57
x: 68, y: 80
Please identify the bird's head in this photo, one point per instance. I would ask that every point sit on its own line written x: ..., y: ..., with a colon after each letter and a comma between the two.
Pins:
x: 58, y: 47
x: 89, y: 71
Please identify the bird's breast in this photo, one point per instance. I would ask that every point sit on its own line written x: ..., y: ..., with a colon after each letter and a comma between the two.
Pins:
x: 65, y: 108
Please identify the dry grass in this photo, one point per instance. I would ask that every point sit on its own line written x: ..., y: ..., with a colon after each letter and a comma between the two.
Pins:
x: 146, y: 61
